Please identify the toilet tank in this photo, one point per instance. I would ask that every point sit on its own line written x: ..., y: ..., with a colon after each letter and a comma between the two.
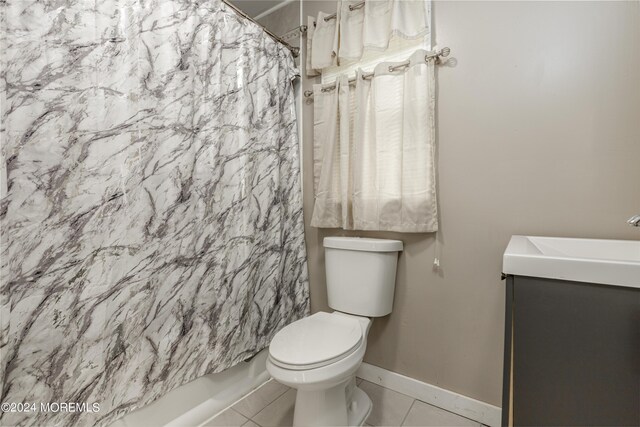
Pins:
x: 361, y: 274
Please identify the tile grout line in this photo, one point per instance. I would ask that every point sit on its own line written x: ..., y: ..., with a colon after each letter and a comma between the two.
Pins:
x: 255, y: 390
x: 404, y: 419
x: 243, y: 416
x: 230, y: 406
x: 407, y: 414
x: 265, y: 406
x: 431, y: 394
x: 254, y: 421
x: 395, y: 391
x: 275, y: 398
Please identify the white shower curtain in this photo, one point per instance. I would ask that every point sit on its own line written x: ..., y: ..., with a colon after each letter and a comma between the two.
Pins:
x: 378, y: 166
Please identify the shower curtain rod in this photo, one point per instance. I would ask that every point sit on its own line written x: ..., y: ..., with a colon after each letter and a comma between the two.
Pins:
x: 295, y: 51
x: 445, y: 51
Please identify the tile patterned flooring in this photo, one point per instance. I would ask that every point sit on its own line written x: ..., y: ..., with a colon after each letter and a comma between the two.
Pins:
x: 271, y: 405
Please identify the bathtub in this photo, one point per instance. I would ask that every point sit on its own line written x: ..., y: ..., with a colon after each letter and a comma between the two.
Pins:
x: 198, y: 401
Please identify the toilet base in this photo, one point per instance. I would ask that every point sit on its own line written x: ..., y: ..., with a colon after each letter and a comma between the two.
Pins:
x: 342, y: 405
x: 360, y: 408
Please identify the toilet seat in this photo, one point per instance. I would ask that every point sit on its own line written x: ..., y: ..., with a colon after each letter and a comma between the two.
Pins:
x: 316, y: 341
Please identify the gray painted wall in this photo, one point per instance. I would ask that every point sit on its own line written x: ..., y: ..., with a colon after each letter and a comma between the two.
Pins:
x: 283, y: 20
x: 538, y: 133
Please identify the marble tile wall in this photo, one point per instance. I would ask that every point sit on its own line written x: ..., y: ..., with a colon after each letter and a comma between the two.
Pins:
x: 152, y: 230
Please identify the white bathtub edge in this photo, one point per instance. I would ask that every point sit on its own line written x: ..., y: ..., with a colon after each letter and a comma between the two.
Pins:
x: 213, y: 406
x: 196, y: 402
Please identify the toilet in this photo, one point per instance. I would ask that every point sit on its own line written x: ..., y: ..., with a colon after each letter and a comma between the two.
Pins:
x: 320, y: 354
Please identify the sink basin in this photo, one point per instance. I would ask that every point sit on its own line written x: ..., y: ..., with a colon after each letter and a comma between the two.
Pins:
x: 607, y: 262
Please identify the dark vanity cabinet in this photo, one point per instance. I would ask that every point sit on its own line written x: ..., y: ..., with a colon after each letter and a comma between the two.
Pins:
x: 572, y: 354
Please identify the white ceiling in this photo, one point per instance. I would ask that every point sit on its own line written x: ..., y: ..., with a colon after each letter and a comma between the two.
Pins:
x: 254, y: 8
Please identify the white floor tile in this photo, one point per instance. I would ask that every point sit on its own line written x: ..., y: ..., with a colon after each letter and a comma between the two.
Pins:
x: 228, y: 418
x: 260, y: 398
x: 423, y: 414
x: 278, y: 413
x: 389, y: 407
x: 250, y: 424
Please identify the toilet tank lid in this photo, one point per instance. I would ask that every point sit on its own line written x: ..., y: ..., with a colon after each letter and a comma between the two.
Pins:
x: 363, y: 244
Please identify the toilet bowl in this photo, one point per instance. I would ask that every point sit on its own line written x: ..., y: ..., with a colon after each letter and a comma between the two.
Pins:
x: 320, y: 354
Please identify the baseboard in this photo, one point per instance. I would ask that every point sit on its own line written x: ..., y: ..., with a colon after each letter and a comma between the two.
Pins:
x: 453, y: 402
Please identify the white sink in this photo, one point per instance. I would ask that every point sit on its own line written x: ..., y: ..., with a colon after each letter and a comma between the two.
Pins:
x: 607, y: 262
